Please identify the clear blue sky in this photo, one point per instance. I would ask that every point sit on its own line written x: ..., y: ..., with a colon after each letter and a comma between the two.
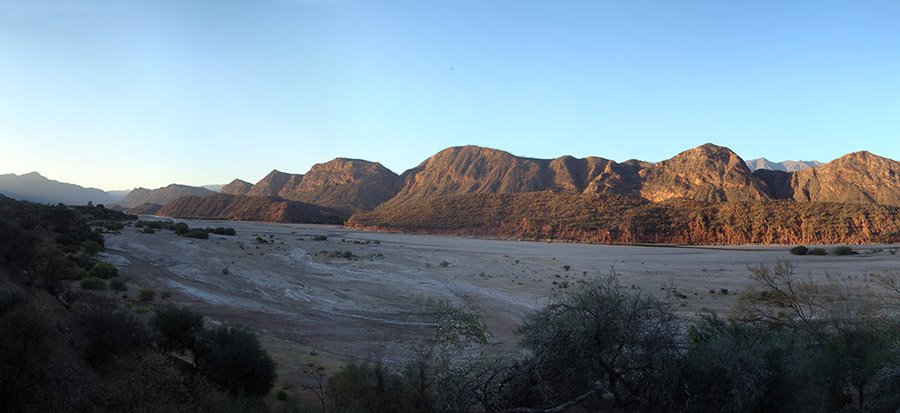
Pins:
x: 117, y: 94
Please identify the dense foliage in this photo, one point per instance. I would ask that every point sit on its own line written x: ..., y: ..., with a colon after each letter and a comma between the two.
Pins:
x: 65, y: 349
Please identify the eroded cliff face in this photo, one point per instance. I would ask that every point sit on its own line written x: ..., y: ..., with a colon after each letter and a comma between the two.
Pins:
x: 704, y: 195
x: 706, y: 173
x: 345, y: 184
x: 859, y: 177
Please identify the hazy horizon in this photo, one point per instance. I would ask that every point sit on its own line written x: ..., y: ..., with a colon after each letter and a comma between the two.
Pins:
x: 117, y: 95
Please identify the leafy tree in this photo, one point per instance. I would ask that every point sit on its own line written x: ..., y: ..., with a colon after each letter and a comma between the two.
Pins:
x: 104, y: 270
x: 111, y: 334
x: 233, y: 358
x: 177, y: 329
x: 601, y: 333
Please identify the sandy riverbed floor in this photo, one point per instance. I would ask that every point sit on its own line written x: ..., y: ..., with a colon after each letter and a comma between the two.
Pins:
x: 310, y: 308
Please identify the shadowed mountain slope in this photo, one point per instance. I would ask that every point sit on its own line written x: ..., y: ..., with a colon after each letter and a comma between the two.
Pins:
x: 272, y: 184
x: 161, y: 196
x: 248, y: 208
x: 236, y: 187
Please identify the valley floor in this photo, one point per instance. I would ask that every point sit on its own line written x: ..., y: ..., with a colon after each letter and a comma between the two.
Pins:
x: 321, y: 308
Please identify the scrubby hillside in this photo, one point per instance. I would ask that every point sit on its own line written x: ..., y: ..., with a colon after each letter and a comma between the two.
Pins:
x: 629, y: 220
x: 247, y: 208
x: 161, y: 196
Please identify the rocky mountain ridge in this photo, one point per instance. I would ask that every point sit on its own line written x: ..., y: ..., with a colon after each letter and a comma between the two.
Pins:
x: 161, y: 196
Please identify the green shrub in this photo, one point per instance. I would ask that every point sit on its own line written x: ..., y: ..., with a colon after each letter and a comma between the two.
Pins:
x: 222, y: 231
x: 104, y: 270
x: 177, y: 329
x: 111, y: 333
x: 234, y: 359
x: 146, y: 294
x: 817, y: 251
x: 799, y: 250
x: 319, y: 238
x: 260, y: 240
x: 91, y: 248
x: 843, y: 250
x: 117, y: 285
x: 93, y: 283
x: 281, y: 395
x: 180, y: 228
x: 196, y: 233
x: 148, y: 230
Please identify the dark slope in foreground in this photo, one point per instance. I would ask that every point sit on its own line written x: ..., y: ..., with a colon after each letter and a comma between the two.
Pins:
x: 250, y: 208
x: 631, y: 220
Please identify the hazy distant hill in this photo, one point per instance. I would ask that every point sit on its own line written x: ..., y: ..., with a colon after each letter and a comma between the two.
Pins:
x: 162, y: 196
x: 214, y: 187
x: 784, y: 166
x: 250, y: 208
x: 36, y: 188
x: 118, y: 195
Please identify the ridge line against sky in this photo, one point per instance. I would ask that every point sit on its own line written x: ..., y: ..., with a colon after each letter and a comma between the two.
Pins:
x: 117, y: 95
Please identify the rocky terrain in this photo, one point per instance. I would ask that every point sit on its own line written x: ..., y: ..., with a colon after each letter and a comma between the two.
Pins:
x: 272, y: 184
x: 617, y: 219
x: 345, y: 184
x: 697, y: 196
x: 236, y: 187
x: 859, y: 177
x: 706, y: 173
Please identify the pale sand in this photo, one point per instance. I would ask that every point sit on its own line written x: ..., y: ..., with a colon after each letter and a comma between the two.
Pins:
x: 330, y: 310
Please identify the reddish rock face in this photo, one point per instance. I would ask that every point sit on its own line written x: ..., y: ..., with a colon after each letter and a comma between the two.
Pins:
x: 706, y: 173
x: 236, y: 187
x: 345, y: 184
x: 162, y: 196
x: 859, y: 177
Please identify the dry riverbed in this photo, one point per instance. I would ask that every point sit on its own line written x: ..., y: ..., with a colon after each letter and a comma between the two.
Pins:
x: 314, y: 303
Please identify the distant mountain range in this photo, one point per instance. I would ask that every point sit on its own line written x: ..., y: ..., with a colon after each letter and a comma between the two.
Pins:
x: 706, y: 194
x: 784, y: 166
x: 36, y: 188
